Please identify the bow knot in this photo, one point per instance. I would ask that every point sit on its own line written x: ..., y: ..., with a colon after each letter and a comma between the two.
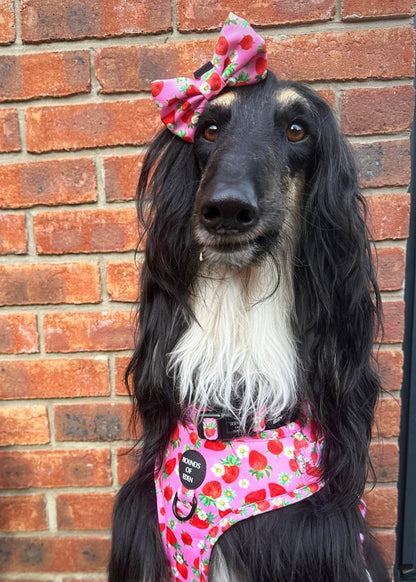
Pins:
x: 240, y: 58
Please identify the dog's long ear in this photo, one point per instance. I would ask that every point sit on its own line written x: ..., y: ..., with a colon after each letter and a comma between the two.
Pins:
x: 338, y: 306
x: 165, y: 197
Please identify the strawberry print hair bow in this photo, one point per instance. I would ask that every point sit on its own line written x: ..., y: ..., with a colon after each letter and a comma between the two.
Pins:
x: 240, y: 58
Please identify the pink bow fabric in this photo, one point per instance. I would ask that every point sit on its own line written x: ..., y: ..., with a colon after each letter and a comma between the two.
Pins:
x: 240, y: 58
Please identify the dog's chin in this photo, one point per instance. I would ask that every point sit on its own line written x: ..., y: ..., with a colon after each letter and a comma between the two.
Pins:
x: 236, y: 256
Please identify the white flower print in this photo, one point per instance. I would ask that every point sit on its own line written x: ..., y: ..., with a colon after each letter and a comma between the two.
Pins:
x: 289, y: 452
x: 222, y: 503
x: 244, y: 483
x: 233, y: 55
x: 218, y: 469
x: 242, y: 451
x: 205, y: 88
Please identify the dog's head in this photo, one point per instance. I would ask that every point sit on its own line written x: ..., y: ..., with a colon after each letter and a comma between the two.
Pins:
x: 255, y: 147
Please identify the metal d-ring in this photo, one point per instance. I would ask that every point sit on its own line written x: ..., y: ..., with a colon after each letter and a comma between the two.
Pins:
x: 176, y: 514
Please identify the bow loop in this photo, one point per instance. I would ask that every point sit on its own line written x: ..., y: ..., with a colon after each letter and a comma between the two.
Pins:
x: 240, y: 58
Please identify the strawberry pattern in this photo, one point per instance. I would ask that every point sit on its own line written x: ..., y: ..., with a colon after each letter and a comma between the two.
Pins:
x: 240, y: 478
x: 240, y: 58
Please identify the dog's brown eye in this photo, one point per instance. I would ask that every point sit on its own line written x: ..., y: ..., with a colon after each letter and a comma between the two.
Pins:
x: 295, y: 132
x: 211, y: 133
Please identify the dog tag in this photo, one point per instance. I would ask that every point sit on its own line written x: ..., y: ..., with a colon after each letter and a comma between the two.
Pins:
x: 192, y: 469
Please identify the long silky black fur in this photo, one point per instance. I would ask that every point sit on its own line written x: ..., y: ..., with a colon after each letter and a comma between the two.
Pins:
x: 338, y: 314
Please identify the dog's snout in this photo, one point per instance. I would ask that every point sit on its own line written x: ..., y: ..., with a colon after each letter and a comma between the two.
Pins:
x: 230, y: 210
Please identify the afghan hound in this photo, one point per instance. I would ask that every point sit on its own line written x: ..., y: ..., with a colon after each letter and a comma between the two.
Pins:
x: 258, y: 300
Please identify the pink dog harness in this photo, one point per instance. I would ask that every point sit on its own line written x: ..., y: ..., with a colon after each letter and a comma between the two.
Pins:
x: 206, y: 485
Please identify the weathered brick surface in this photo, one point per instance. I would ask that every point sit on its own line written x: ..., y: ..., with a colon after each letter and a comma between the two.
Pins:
x: 24, y: 425
x: 57, y: 74
x: 92, y: 422
x: 388, y: 417
x: 387, y: 110
x: 86, y: 231
x: 385, y: 459
x: 55, y: 554
x: 79, y: 511
x: 127, y: 462
x: 72, y: 19
x: 121, y: 365
x: 49, y: 283
x: 18, y: 333
x: 389, y: 215
x: 359, y: 10
x: 7, y: 22
x: 199, y: 15
x: 13, y: 234
x: 123, y: 280
x: 79, y: 332
x: 351, y: 54
x: 9, y: 130
x: 23, y: 513
x: 390, y: 368
x: 50, y: 182
x: 55, y: 378
x: 393, y: 321
x: 46, y: 468
x: 90, y: 125
x: 383, y: 163
x: 391, y: 268
x: 122, y: 176
x: 382, y: 507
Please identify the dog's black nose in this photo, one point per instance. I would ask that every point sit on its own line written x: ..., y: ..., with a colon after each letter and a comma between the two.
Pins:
x: 230, y: 210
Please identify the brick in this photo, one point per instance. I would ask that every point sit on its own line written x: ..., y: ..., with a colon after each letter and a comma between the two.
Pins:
x: 49, y: 283
x: 24, y: 425
x: 23, y: 513
x: 18, y: 333
x: 359, y: 10
x: 50, y: 182
x: 127, y: 463
x: 78, y: 332
x: 122, y: 176
x: 7, y: 22
x: 92, y: 422
x: 86, y: 231
x: 91, y: 125
x: 57, y: 378
x: 389, y: 216
x: 13, y: 234
x: 390, y: 368
x: 393, y: 312
x: 385, y: 459
x: 386, y: 110
x: 383, y: 163
x: 387, y: 418
x: 391, y: 264
x: 133, y: 68
x: 123, y: 280
x: 57, y: 74
x: 9, y: 130
x: 199, y: 15
x: 75, y: 19
x: 386, y: 541
x: 52, y: 468
x: 381, y: 507
x: 352, y: 54
x: 84, y: 511
x: 121, y: 365
x: 55, y: 554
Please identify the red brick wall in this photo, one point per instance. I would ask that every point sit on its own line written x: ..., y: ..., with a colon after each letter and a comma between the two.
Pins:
x: 75, y: 112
